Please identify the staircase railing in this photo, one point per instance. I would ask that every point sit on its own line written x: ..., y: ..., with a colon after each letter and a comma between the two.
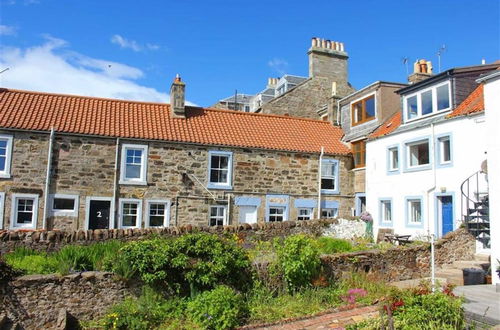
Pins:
x: 475, y: 207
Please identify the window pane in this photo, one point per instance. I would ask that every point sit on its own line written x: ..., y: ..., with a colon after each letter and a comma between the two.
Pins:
x: 386, y: 211
x: 411, y: 107
x: 24, y: 217
x: 419, y: 154
x: 427, y: 103
x: 156, y: 214
x: 2, y: 163
x: 129, y: 220
x: 394, y: 159
x: 133, y: 172
x: 67, y: 204
x: 370, y: 107
x: 445, y: 150
x: 327, y: 184
x: 415, y: 211
x: 443, y: 97
x: 357, y: 112
x: 328, y: 213
x: 3, y: 144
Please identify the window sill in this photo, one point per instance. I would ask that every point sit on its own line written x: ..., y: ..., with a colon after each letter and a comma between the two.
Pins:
x: 5, y: 175
x: 418, y: 168
x: 444, y: 165
x: 63, y: 214
x: 385, y: 225
x: 329, y: 192
x: 133, y: 183
x: 22, y: 227
x: 415, y: 225
x: 129, y: 227
x: 221, y: 187
x: 357, y: 169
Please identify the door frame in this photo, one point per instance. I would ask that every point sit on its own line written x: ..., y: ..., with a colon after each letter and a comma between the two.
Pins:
x: 438, y: 216
x: 111, y: 210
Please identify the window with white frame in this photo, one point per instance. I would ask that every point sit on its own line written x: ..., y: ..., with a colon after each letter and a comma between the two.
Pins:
x: 5, y: 155
x: 218, y: 215
x: 64, y: 205
x: 444, y: 150
x: 414, y: 208
x: 328, y: 213
x: 130, y: 213
x: 329, y: 176
x: 418, y: 153
x: 304, y: 213
x: 24, y: 211
x: 220, y: 169
x: 386, y: 211
x: 428, y: 101
x: 393, y: 159
x: 134, y: 164
x: 277, y: 213
x: 157, y: 213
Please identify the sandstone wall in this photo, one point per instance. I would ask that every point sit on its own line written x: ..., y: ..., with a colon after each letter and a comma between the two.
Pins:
x: 84, y: 166
x: 34, y: 301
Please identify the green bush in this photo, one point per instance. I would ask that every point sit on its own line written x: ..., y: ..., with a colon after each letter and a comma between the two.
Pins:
x: 298, y: 258
x: 31, y: 262
x: 191, y: 263
x: 220, y: 308
x: 329, y: 245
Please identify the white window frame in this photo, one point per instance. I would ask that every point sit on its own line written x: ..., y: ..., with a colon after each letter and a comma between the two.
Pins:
x: 138, y: 221
x: 144, y: 165
x: 224, y: 216
x: 2, y: 207
x: 390, y: 159
x: 220, y: 185
x: 284, y: 215
x: 166, y: 216
x: 308, y: 216
x: 409, y: 218
x: 6, y: 172
x: 335, y: 212
x: 67, y: 213
x: 408, y: 154
x: 383, y: 218
x: 335, y: 176
x: 440, y: 142
x: 419, y: 102
x: 13, y: 217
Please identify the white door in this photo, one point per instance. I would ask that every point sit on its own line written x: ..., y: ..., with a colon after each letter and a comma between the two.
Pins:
x: 248, y: 214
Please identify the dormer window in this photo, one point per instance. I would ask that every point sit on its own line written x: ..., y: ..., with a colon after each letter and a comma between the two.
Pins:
x: 363, y: 110
x: 428, y: 101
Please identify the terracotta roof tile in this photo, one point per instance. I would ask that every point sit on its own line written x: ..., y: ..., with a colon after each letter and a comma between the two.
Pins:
x: 27, y: 110
x: 388, y: 127
x: 472, y: 104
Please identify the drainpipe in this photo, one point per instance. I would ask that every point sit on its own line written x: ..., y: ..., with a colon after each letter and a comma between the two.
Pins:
x: 228, y: 209
x: 319, y: 182
x: 429, y: 200
x: 47, y: 180
x: 338, y: 112
x: 115, y: 182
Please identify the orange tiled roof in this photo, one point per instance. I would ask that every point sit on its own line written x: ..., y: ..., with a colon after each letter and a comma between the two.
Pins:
x: 387, y: 127
x: 473, y: 103
x: 27, y: 110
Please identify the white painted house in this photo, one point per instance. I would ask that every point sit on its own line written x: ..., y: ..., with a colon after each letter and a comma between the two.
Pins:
x: 421, y: 160
x: 492, y: 109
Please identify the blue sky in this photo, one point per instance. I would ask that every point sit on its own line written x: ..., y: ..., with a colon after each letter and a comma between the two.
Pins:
x: 133, y: 49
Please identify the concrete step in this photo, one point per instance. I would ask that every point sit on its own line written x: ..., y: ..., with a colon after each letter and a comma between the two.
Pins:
x: 468, y: 264
x: 482, y: 257
x: 453, y: 276
x: 409, y: 284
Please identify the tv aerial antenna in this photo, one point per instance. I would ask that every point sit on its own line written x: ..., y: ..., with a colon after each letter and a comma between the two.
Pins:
x: 405, y: 61
x: 440, y: 52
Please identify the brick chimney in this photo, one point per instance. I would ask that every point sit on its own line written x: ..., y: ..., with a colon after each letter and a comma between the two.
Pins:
x: 422, y: 70
x: 272, y: 82
x: 177, y: 98
x: 328, y: 59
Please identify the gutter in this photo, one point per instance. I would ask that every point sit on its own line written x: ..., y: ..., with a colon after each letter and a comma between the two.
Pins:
x: 115, y: 184
x: 319, y: 182
x: 47, y: 180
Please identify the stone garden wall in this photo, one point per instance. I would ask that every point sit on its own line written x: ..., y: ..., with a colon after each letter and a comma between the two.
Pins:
x: 54, y: 240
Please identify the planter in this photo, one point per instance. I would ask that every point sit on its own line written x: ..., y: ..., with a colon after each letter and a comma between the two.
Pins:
x: 487, y: 279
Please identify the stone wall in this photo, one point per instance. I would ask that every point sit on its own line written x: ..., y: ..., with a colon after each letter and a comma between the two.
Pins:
x: 34, y: 301
x: 84, y: 166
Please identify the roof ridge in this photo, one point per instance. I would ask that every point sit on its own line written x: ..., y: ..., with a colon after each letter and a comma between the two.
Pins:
x: 2, y: 89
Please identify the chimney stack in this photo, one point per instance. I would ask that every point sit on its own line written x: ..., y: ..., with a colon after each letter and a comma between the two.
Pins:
x: 328, y: 59
x: 422, y: 70
x: 272, y: 82
x: 177, y: 98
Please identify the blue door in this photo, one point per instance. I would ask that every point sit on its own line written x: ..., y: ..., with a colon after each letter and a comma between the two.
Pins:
x: 447, y: 214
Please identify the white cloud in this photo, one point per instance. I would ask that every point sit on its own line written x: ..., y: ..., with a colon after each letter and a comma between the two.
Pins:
x: 279, y: 65
x: 132, y: 44
x: 6, y: 30
x: 52, y: 67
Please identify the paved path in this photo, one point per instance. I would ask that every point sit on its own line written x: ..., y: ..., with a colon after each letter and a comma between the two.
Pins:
x: 337, y: 320
x: 482, y: 302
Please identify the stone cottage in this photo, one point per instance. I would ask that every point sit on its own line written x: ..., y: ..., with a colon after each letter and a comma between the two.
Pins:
x: 72, y: 162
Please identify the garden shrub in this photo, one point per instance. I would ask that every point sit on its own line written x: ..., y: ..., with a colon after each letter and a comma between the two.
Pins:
x: 298, y: 258
x: 329, y: 245
x: 191, y: 263
x: 31, y: 262
x: 220, y: 308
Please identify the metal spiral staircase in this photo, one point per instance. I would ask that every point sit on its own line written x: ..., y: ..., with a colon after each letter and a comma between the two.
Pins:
x: 475, y: 207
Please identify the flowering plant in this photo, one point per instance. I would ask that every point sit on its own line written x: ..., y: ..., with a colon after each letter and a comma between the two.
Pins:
x: 353, y: 295
x: 366, y: 217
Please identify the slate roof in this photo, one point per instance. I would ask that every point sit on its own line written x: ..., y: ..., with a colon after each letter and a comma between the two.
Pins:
x: 36, y: 111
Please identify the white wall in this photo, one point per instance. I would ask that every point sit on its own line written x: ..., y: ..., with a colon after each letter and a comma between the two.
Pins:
x: 492, y: 107
x: 468, y: 147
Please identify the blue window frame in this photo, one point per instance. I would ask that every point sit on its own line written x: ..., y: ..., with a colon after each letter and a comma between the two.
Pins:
x: 385, y: 212
x: 393, y: 159
x: 444, y: 150
x: 277, y: 208
x: 220, y: 170
x: 329, y: 176
x: 414, y: 211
